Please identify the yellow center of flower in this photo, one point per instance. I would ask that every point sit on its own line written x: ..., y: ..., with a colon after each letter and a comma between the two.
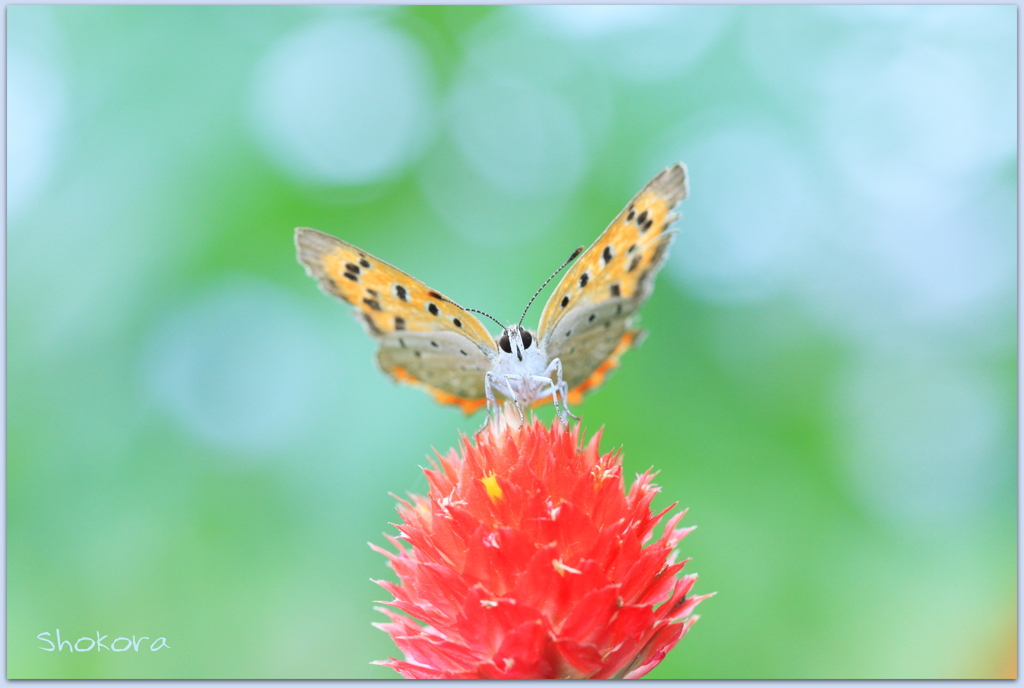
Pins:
x: 493, y: 488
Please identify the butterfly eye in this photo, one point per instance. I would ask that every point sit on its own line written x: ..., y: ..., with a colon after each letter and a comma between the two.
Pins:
x: 505, y: 345
x: 527, y: 338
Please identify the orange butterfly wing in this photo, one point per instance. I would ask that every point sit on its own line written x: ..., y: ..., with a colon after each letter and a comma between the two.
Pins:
x: 586, y: 322
x: 426, y: 340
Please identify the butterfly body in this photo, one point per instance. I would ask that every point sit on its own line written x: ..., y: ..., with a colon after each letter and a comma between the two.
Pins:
x: 525, y: 373
x: 429, y: 341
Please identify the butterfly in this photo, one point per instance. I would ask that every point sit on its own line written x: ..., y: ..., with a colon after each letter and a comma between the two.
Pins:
x: 429, y: 341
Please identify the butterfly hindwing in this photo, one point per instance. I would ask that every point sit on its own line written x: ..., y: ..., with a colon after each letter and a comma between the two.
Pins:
x: 587, y: 336
x: 587, y: 319
x: 441, y: 360
x: 425, y: 339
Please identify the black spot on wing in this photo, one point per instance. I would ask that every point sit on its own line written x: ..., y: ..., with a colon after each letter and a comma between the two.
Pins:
x: 432, y: 307
x: 400, y: 325
x: 365, y: 263
x: 457, y: 322
x: 615, y: 290
x: 591, y: 318
x: 633, y: 263
x: 584, y: 278
x: 607, y: 254
x: 351, y: 276
x: 371, y: 325
x: 565, y: 301
x: 352, y: 267
x: 401, y: 293
x: 642, y: 219
x: 372, y: 303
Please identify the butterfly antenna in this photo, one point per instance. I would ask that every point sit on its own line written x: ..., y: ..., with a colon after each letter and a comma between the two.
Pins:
x: 472, y: 310
x: 553, y: 275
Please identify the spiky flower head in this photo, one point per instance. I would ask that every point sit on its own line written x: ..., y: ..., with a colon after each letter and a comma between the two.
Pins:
x: 527, y: 560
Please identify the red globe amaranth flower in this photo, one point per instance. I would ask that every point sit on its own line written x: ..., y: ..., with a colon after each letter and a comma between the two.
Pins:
x: 526, y: 560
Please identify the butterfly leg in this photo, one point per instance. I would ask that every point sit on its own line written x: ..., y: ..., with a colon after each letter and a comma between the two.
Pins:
x: 551, y: 387
x: 515, y: 397
x: 492, y: 403
x: 559, y: 386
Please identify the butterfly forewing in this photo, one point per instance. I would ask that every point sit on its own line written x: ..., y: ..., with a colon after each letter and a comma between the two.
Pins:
x: 425, y: 339
x: 386, y: 299
x: 589, y: 313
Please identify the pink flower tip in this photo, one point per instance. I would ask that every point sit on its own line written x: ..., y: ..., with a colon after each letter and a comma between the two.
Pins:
x: 527, y: 560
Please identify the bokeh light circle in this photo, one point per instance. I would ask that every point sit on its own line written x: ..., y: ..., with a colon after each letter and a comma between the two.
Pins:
x: 238, y: 369
x: 343, y: 102
x: 522, y: 137
x: 923, y: 440
x: 640, y: 43
x: 752, y: 207
x: 35, y: 117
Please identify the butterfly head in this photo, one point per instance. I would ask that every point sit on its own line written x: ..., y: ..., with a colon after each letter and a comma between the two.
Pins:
x: 515, y: 340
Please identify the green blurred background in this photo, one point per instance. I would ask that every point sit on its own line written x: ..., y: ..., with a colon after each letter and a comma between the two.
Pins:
x: 200, y: 445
